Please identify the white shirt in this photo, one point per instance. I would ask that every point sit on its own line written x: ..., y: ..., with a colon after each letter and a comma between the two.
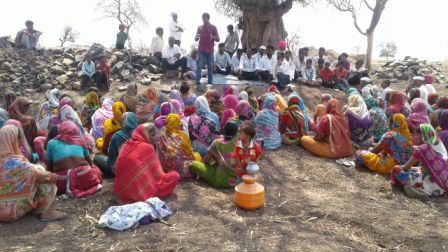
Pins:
x: 231, y: 41
x: 282, y: 67
x: 247, y: 65
x: 430, y: 88
x: 258, y: 57
x: 222, y: 60
x: 156, y: 45
x: 292, y: 69
x: 192, y: 64
x: 235, y: 63
x: 267, y: 64
x: 317, y: 58
x: 423, y: 93
x: 169, y: 53
x: 174, y: 30
x: 298, y: 64
x: 309, y: 74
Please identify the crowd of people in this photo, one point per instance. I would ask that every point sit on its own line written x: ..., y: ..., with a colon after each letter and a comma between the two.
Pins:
x: 150, y: 141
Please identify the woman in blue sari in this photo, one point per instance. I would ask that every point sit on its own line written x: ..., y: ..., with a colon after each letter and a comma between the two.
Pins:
x: 266, y: 123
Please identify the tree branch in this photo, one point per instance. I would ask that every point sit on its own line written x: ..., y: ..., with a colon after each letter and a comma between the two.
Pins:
x: 368, y: 5
x: 347, y: 6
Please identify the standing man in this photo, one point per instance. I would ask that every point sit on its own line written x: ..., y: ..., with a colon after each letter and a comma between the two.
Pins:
x: 122, y: 36
x: 171, y: 57
x: 207, y: 35
x: 157, y: 44
x: 232, y: 41
x: 176, y: 29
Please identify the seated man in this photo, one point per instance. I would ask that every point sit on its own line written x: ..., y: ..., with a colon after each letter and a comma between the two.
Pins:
x: 282, y: 71
x: 309, y: 74
x: 321, y: 57
x: 236, y: 61
x: 88, y: 71
x: 340, y: 75
x: 266, y: 66
x: 359, y: 69
x: 326, y: 75
x: 171, y: 57
x: 222, y: 64
x: 260, y: 53
x: 192, y: 62
x: 247, y: 67
x: 102, y: 78
x: 292, y: 66
x: 299, y: 63
x: 28, y: 38
x: 157, y: 44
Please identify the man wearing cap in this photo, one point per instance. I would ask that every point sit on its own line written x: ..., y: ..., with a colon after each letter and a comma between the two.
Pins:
x: 232, y: 41
x: 267, y: 64
x: 259, y: 54
x: 176, y: 29
x: 28, y: 38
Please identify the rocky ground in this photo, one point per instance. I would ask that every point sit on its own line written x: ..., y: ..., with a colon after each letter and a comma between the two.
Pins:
x: 312, y: 204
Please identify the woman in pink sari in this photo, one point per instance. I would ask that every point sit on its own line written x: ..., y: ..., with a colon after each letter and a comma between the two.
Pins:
x: 100, y: 116
x: 418, y: 116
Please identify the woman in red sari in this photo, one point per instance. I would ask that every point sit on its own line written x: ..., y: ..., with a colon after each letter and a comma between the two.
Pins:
x: 139, y: 175
x: 18, y: 111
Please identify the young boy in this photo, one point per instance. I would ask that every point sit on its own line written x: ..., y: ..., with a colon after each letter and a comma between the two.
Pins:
x: 103, y: 78
x: 246, y: 150
x: 121, y: 37
x: 187, y: 98
x: 326, y: 74
x: 309, y: 74
x: 340, y: 77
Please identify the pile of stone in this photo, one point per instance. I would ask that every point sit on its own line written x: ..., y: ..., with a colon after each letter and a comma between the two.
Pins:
x: 40, y: 70
x: 407, y: 68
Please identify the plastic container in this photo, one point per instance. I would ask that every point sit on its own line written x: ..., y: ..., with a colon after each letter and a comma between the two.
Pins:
x: 249, y: 195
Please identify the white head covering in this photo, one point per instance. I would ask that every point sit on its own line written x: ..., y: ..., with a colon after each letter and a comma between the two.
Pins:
x: 262, y: 47
x: 366, y: 80
x: 420, y: 78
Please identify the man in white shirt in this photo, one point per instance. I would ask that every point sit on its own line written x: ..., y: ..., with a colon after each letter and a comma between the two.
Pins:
x: 282, y: 71
x: 299, y: 63
x: 157, y: 44
x: 266, y: 65
x: 309, y: 74
x: 232, y: 41
x: 292, y: 67
x: 176, y: 29
x: 236, y: 62
x: 171, y: 57
x: 88, y: 71
x: 321, y: 55
x: 248, y: 67
x: 192, y: 65
x: 222, y: 64
x: 259, y: 54
x: 306, y: 54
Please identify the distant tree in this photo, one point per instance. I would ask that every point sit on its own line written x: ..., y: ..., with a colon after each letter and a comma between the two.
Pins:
x: 294, y: 41
x: 127, y: 12
x: 388, y: 50
x: 377, y: 10
x: 68, y: 35
x: 260, y: 20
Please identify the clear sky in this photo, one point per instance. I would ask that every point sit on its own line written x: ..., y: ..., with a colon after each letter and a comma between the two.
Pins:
x: 417, y: 27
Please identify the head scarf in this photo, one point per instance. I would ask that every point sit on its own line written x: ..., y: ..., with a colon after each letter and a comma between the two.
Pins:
x: 295, y: 104
x: 230, y: 102
x: 69, y: 133
x: 357, y: 106
x: 230, y: 90
x: 243, y: 110
x: 400, y: 126
x: 151, y: 94
x: 128, y: 125
x: 17, y: 110
x: 177, y: 107
x: 10, y: 97
x: 352, y: 91
x: 24, y: 146
x: 397, y: 101
x: 92, y: 100
x: 212, y: 95
x: 443, y: 119
x: 106, y: 107
x: 227, y: 115
x: 273, y: 89
x: 130, y: 97
x: 429, y: 136
x: 243, y: 96
x: 432, y: 98
x: 66, y: 100
x: 419, y: 114
x: 429, y: 79
x: 9, y: 141
x: 67, y: 113
x: 371, y: 102
x: 166, y: 108
x: 114, y: 124
x: 442, y: 102
x: 175, y: 95
x: 325, y: 98
x: 270, y: 103
x: 172, y: 127
x: 282, y: 44
x: 53, y: 98
x: 339, y: 130
x: 201, y: 105
x: 3, y: 117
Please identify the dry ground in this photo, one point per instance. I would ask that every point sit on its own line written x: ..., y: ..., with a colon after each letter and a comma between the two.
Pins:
x: 312, y: 204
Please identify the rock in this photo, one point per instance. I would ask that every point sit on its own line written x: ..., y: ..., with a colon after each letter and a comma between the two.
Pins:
x: 67, y: 62
x: 46, y: 86
x: 125, y: 74
x: 154, y: 69
x: 62, y: 79
x: 57, y: 70
x: 155, y: 78
x: 119, y: 65
x: 146, y: 81
x: 77, y: 86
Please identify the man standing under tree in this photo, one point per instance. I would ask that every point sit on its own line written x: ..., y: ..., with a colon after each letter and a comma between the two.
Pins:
x: 176, y: 29
x: 207, y: 35
x: 122, y: 36
x: 232, y: 41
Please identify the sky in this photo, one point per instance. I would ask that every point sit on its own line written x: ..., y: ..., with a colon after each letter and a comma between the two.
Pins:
x: 414, y: 26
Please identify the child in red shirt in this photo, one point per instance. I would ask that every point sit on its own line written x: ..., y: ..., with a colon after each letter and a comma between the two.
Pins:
x: 340, y: 77
x: 103, y: 75
x: 246, y: 150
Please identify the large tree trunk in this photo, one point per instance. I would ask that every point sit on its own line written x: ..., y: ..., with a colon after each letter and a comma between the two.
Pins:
x: 262, y: 29
x: 369, y: 51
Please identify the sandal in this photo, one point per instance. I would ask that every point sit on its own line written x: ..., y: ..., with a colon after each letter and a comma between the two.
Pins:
x: 55, y: 216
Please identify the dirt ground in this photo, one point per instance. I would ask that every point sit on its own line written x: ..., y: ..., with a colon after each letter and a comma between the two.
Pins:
x: 312, y: 204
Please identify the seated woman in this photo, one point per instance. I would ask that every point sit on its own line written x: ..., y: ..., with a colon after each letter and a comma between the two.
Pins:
x: 146, y: 179
x: 243, y: 112
x: 252, y: 99
x: 18, y: 111
x: 47, y: 108
x: 10, y: 97
x: 24, y: 147
x: 359, y: 120
x: 321, y: 109
x: 107, y: 163
x: 218, y: 167
x: 419, y: 115
x: 174, y: 148
x: 230, y: 90
x: 230, y: 102
x: 215, y: 102
x: 177, y: 109
x: 160, y: 100
x: 397, y: 104
x: 3, y: 117
x: 442, y: 102
x: 266, y: 123
x: 175, y: 95
x: 204, y: 126
x: 394, y: 148
x: 146, y: 103
x: 292, y: 121
x: 432, y: 101
x: 67, y: 113
x: 333, y: 135
x: 67, y: 156
x: 100, y: 116
x: 24, y: 187
x: 430, y: 179
x: 111, y: 126
x: 129, y: 98
x: 380, y: 124
x: 442, y: 121
x: 165, y: 109
x: 279, y: 100
x: 66, y: 100
x: 91, y: 104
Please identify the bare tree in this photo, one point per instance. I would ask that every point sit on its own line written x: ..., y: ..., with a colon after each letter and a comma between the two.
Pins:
x: 377, y: 10
x: 260, y: 20
x: 68, y: 35
x: 294, y: 41
x: 127, y: 12
x: 388, y: 50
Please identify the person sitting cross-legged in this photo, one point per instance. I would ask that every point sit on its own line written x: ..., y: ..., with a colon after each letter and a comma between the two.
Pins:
x: 309, y: 74
x: 171, y: 57
x: 88, y: 71
x: 266, y: 65
x: 222, y: 64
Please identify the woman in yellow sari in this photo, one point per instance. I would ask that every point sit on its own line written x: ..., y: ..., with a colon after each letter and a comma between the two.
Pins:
x: 111, y: 126
x: 91, y: 104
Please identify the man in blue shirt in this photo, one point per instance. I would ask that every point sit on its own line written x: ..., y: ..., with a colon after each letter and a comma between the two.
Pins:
x: 88, y: 71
